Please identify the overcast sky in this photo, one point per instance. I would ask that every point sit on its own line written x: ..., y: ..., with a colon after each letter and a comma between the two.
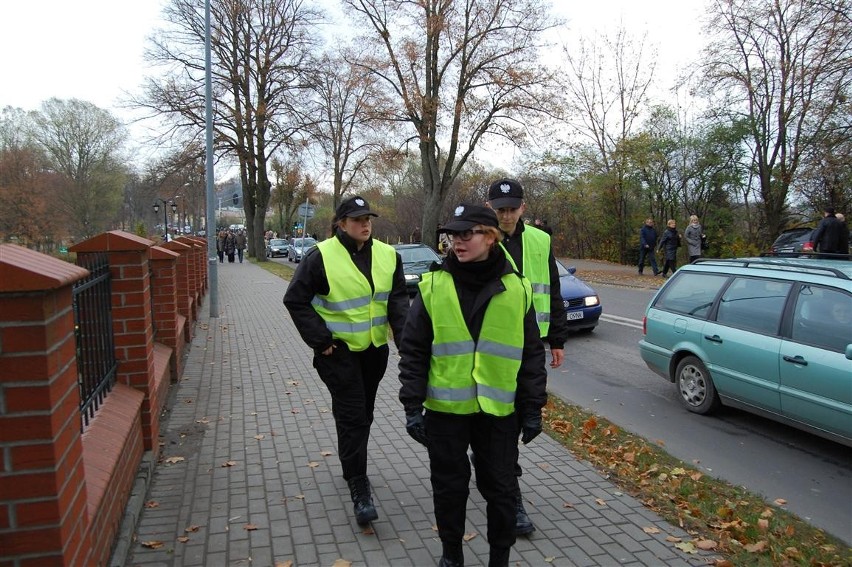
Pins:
x: 92, y: 49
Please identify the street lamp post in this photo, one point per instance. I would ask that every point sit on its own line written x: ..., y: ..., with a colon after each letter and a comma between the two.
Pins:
x: 165, y: 202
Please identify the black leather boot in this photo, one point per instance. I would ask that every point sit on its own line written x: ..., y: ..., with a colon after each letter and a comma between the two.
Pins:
x: 365, y: 511
x: 523, y: 524
x: 452, y: 555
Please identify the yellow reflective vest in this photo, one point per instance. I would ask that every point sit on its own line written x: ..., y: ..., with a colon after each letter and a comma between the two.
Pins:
x: 536, y: 261
x: 467, y: 376
x: 352, y: 311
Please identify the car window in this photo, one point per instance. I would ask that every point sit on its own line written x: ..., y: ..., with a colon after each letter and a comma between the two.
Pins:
x: 754, y: 304
x: 412, y: 255
x: 277, y: 242
x: 303, y: 242
x: 793, y: 236
x: 822, y: 317
x: 691, y: 293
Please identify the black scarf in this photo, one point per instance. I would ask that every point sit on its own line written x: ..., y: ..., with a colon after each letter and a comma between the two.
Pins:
x: 474, y: 275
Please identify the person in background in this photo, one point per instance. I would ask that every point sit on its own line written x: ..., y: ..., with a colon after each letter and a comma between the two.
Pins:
x: 230, y: 245
x: 531, y: 252
x: 240, y: 242
x: 647, y: 245
x: 345, y: 294
x: 220, y: 245
x: 831, y: 235
x: 693, y: 234
x: 669, y: 243
x: 471, y: 355
x: 541, y: 224
x: 443, y: 241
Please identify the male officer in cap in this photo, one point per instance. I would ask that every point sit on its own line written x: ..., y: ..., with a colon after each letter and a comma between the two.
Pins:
x: 530, y: 250
x: 345, y: 295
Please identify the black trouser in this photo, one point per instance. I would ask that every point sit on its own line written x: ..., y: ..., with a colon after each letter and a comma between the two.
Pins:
x: 669, y: 264
x: 494, y: 441
x: 221, y: 255
x: 240, y: 255
x: 652, y: 259
x: 352, y: 379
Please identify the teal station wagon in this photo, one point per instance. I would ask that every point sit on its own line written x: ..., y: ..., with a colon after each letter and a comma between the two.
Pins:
x: 772, y: 336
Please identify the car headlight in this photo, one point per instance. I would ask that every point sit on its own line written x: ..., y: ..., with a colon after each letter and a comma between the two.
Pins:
x: 412, y: 277
x: 591, y: 301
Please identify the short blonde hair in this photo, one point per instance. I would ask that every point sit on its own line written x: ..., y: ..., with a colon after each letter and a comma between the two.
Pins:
x: 671, y: 222
x: 693, y: 218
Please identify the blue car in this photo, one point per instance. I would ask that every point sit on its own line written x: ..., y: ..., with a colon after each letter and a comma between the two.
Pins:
x: 582, y: 304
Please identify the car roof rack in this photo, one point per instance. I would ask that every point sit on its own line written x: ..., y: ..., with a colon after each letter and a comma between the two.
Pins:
x: 769, y: 264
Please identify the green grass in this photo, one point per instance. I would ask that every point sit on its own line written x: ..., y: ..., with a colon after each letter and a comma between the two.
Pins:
x: 720, y: 517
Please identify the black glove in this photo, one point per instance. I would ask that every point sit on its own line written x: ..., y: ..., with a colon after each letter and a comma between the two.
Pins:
x: 415, y: 426
x: 530, y: 427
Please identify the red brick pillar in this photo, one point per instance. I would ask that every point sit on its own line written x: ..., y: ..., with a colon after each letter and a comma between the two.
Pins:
x: 43, y: 517
x: 185, y: 300
x: 168, y: 322
x: 131, y: 321
x: 194, y: 271
x: 204, y: 285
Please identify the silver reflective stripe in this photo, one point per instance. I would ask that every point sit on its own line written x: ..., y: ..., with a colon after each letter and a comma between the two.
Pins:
x: 381, y: 296
x: 541, y: 288
x: 347, y: 327
x: 542, y: 317
x: 451, y: 349
x: 341, y: 305
x: 379, y: 321
x: 498, y: 349
x: 451, y: 394
x: 496, y: 394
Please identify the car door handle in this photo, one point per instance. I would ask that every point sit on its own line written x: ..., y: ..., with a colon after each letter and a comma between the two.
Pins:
x: 796, y: 360
x: 714, y: 338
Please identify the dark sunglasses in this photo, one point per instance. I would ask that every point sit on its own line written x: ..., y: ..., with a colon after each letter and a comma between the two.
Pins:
x: 464, y: 235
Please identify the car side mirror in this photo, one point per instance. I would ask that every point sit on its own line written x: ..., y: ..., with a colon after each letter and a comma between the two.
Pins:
x: 572, y: 270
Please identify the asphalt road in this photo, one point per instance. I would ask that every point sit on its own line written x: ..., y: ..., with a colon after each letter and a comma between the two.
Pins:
x: 605, y: 374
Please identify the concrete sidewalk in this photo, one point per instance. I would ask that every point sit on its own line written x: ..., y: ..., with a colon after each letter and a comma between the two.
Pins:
x: 249, y: 473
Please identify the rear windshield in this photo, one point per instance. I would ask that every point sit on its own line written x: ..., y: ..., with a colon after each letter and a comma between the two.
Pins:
x: 691, y: 293
x: 793, y: 236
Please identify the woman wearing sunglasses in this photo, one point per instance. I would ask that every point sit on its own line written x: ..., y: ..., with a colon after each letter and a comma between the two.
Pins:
x: 471, y: 357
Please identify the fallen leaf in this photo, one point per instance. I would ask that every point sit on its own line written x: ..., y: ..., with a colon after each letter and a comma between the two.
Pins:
x: 368, y: 530
x: 341, y: 563
x: 678, y: 471
x: 696, y: 476
x: 600, y: 501
x: 249, y: 527
x: 229, y: 463
x: 630, y: 457
x: 191, y: 529
x: 288, y: 563
x: 183, y: 539
x: 768, y: 513
x: 722, y: 563
x: 567, y: 505
x: 706, y: 544
x: 792, y: 553
x: 203, y: 421
x: 673, y: 539
x: 549, y: 559
x: 763, y: 524
x: 152, y: 504
x: 294, y: 410
x: 780, y: 501
x: 300, y: 496
x: 173, y: 460
x: 259, y: 437
x: 686, y: 547
x: 153, y: 544
x: 470, y: 536
x: 313, y: 464
x: 326, y: 453
x: 651, y: 530
x: 758, y: 547
x: 789, y: 531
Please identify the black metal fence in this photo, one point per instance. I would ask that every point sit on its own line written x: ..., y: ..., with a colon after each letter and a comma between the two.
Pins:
x: 96, y: 364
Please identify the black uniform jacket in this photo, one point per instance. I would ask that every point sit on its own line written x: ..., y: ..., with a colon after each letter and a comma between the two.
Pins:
x: 416, y: 347
x: 311, y: 279
x: 558, y: 330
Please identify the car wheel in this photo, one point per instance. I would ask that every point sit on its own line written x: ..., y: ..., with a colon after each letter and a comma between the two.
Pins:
x: 695, y: 386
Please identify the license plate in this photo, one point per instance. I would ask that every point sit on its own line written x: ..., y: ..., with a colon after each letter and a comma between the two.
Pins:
x: 574, y: 315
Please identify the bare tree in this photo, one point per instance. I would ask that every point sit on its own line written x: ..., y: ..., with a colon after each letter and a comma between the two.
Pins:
x: 459, y: 70
x: 605, y: 92
x: 84, y: 143
x: 260, y: 50
x: 344, y: 118
x: 784, y: 65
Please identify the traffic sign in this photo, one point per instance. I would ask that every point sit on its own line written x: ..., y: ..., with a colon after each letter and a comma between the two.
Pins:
x: 306, y: 211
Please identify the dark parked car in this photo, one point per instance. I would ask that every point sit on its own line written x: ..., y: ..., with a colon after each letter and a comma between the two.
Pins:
x: 299, y: 247
x: 416, y: 260
x: 793, y: 242
x: 276, y: 247
x: 582, y: 304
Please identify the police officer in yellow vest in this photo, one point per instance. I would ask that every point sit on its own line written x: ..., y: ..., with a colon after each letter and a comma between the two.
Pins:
x: 472, y: 357
x: 532, y: 254
x: 343, y: 297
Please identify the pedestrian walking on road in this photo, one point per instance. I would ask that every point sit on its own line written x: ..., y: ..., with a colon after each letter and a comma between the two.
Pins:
x: 694, y: 235
x: 345, y: 293
x: 240, y: 242
x: 669, y: 243
x: 647, y: 245
x: 831, y: 235
x: 471, y: 355
x: 531, y: 253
